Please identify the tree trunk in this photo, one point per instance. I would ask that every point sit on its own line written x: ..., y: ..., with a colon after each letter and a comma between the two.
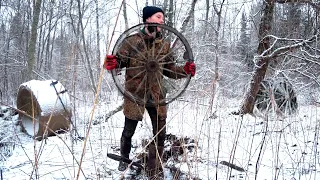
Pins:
x: 170, y: 14
x: 47, y: 67
x: 98, y: 36
x: 137, y: 6
x: 217, y: 49
x: 125, y: 15
x: 165, y: 6
x: 41, y: 42
x: 192, y: 23
x: 54, y: 28
x: 5, y: 67
x: 206, y: 18
x: 33, y: 39
x: 40, y: 53
x: 261, y: 63
x: 186, y: 21
x: 87, y: 60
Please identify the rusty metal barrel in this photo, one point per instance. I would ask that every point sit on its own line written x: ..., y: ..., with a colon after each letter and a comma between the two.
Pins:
x: 45, y: 108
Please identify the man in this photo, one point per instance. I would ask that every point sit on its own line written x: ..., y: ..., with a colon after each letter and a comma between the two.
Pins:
x: 136, y: 84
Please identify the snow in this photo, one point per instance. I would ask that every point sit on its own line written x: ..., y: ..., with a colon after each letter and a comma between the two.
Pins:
x: 267, y: 147
x: 47, y: 96
x: 30, y: 126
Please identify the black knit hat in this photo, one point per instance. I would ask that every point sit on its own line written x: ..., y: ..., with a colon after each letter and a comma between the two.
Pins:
x: 148, y: 11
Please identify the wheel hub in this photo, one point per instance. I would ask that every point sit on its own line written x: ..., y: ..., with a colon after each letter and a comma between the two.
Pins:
x: 152, y: 66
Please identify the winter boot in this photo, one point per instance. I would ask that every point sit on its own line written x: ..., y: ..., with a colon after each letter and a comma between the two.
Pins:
x: 125, y: 148
x: 122, y: 166
x: 154, y: 168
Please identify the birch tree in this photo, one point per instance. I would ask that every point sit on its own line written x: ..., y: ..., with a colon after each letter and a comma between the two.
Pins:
x: 98, y: 35
x: 125, y: 17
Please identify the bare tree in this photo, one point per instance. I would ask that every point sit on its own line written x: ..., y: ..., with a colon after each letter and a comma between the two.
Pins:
x: 33, y: 38
x: 125, y: 14
x: 86, y: 57
x: 206, y: 18
x: 165, y: 6
x: 4, y: 55
x: 218, y: 12
x: 243, y: 44
x: 267, y: 51
x: 170, y: 14
x: 46, y: 39
x: 189, y: 16
x: 98, y: 35
x: 261, y: 64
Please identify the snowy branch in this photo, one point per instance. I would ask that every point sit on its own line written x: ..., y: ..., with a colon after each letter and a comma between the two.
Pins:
x: 310, y: 76
x: 315, y: 5
x: 305, y: 59
x: 312, y: 56
x: 285, y: 49
x: 212, y: 26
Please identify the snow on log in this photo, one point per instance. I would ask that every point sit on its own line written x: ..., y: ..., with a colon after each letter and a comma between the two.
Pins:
x: 47, y: 108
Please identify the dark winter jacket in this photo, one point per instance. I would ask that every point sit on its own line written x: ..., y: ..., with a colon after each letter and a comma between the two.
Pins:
x: 134, y: 52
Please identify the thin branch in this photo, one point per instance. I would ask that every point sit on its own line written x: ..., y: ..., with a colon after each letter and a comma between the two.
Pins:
x: 315, y: 5
x: 107, y: 116
x: 288, y: 48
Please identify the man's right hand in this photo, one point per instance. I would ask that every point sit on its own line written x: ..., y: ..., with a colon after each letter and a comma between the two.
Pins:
x: 110, y: 62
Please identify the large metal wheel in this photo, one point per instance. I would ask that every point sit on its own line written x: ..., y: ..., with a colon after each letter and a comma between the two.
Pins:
x: 279, y: 91
x: 151, y: 65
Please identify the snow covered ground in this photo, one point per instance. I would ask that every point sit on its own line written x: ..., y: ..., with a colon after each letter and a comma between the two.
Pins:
x: 266, y: 147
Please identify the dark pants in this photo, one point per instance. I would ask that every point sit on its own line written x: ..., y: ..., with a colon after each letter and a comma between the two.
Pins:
x: 130, y: 127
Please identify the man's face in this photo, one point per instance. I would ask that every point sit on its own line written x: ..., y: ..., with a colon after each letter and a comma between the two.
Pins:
x: 156, y: 18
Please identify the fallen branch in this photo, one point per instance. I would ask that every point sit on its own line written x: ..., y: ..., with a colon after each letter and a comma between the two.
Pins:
x: 107, y: 116
x: 232, y: 166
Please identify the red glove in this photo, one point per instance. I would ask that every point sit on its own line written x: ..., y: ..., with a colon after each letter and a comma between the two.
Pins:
x: 190, y: 68
x: 110, y: 62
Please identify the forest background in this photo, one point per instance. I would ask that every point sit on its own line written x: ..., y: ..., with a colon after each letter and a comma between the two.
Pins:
x: 236, y: 45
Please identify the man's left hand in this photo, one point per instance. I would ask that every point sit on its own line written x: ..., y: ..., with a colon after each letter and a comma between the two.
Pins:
x: 190, y: 68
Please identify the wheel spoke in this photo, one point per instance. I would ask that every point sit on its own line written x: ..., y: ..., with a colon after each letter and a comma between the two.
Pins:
x: 153, y: 49
x: 171, y: 84
x: 177, y: 73
x: 171, y: 52
x: 162, y: 46
x: 135, y: 67
x: 283, y: 95
x: 283, y: 104
x: 140, y: 85
x: 128, y: 57
x: 141, y: 35
x: 136, y: 75
x: 137, y: 50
